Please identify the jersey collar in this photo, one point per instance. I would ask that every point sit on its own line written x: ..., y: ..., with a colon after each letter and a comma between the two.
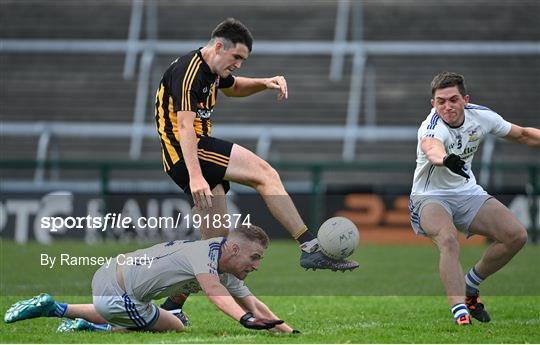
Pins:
x: 453, y: 127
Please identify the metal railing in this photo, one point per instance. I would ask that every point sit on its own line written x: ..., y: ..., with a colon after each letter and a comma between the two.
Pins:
x: 351, y: 132
x: 316, y: 170
x: 359, y: 51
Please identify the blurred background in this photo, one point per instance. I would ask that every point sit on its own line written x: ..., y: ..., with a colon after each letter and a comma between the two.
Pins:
x: 77, y: 104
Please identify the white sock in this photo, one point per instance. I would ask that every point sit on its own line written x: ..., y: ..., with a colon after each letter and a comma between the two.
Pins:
x: 473, y: 280
x: 459, y: 310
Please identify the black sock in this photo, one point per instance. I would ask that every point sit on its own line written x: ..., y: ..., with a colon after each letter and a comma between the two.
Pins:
x: 305, y: 237
x: 169, y: 304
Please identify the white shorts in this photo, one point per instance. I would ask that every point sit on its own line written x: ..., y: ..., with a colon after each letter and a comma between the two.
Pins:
x: 116, y: 306
x: 461, y: 207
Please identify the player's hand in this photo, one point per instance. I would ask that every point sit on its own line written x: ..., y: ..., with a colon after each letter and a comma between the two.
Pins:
x: 279, y: 83
x: 455, y: 164
x: 201, y: 193
x: 249, y: 321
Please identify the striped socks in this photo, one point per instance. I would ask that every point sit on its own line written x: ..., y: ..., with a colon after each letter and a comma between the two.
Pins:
x: 59, y: 310
x: 472, y: 282
x: 101, y: 327
x: 459, y: 310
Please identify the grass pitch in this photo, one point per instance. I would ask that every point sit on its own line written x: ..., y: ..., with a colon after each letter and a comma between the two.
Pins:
x: 394, y: 297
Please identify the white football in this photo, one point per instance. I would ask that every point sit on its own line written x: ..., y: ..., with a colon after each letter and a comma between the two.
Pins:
x: 338, y: 238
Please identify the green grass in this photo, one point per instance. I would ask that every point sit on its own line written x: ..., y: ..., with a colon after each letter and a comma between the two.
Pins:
x: 395, y: 297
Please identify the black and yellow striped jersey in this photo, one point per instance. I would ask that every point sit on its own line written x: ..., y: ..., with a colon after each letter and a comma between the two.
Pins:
x: 187, y: 85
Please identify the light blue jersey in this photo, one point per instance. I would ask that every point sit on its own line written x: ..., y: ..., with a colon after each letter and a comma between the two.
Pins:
x: 174, y: 268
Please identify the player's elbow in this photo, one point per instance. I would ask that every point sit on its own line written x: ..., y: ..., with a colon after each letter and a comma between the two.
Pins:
x: 227, y: 92
x: 233, y: 91
x: 530, y: 136
x: 525, y: 135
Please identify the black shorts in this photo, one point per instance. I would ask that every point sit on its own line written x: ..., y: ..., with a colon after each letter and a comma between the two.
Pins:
x: 213, y: 156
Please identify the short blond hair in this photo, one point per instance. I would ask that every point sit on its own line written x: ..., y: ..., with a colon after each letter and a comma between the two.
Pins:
x: 251, y: 233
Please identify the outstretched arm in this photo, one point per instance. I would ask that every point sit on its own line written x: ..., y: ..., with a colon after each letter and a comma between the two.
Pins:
x: 261, y: 310
x: 436, y: 153
x: 524, y: 135
x: 220, y: 296
x: 200, y: 190
x: 243, y: 87
x: 434, y: 150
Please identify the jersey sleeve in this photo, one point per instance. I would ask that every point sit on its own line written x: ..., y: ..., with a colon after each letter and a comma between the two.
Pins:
x: 185, y: 89
x: 496, y: 124
x: 236, y: 287
x: 434, y: 128
x: 225, y: 83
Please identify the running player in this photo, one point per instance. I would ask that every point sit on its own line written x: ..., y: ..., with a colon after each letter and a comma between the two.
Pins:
x: 123, y: 294
x: 445, y: 198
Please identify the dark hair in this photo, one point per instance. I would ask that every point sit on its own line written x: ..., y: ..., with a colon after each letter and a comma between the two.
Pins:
x: 234, y: 31
x: 448, y: 79
x: 251, y: 233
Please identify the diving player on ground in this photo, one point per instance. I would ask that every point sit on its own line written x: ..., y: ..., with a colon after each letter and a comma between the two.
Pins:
x: 123, y: 294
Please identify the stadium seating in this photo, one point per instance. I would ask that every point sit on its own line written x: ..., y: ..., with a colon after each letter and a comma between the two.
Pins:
x: 90, y: 87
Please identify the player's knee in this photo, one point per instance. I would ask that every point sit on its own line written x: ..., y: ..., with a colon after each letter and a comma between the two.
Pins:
x: 268, y: 175
x: 448, y: 243
x: 273, y: 175
x: 168, y: 324
x: 174, y: 328
x: 518, y: 238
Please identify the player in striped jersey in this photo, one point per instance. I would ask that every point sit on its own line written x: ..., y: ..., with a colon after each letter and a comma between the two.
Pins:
x: 201, y: 165
x: 445, y: 197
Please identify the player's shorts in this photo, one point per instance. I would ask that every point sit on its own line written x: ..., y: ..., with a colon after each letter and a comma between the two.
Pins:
x: 461, y: 207
x: 116, y: 306
x: 213, y: 157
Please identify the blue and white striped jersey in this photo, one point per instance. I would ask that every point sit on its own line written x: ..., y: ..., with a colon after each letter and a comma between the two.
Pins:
x: 462, y: 141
